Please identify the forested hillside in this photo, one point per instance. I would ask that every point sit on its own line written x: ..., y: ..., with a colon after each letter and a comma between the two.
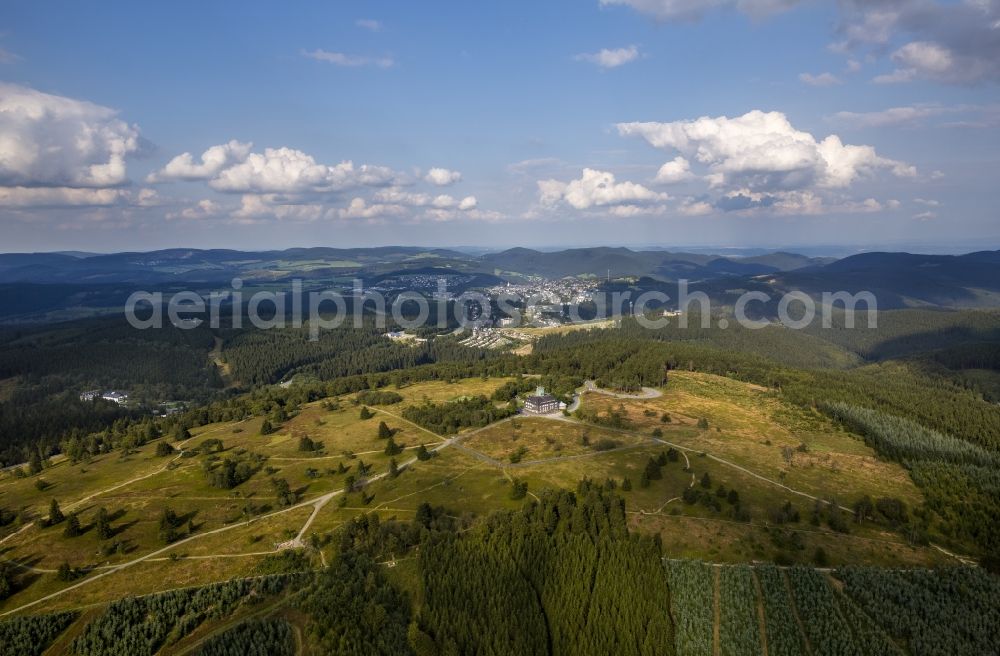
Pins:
x: 563, y: 576
x: 259, y: 357
x: 47, y: 368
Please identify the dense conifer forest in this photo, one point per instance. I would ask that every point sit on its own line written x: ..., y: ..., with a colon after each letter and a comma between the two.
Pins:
x: 561, y: 576
x: 142, y: 625
x: 270, y: 637
x: 448, y: 418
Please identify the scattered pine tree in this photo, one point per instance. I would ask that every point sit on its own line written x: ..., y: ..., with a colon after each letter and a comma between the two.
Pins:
x: 72, y: 528
x: 55, y: 513
x: 392, y: 449
x: 102, y: 524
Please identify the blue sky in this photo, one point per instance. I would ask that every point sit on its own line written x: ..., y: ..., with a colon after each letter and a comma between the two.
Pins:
x: 637, y: 122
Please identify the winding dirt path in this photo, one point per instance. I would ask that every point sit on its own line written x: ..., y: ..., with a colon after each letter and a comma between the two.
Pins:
x: 646, y: 393
x: 100, y: 493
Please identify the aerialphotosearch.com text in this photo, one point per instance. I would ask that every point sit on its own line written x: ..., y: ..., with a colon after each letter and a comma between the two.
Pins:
x: 409, y: 310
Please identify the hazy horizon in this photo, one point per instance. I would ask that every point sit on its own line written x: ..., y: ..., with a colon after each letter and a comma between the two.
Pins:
x: 732, y: 250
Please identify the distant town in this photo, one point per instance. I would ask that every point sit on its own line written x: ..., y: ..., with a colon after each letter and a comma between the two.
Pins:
x: 116, y: 396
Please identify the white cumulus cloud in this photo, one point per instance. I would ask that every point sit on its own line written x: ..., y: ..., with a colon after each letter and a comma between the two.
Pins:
x: 595, y: 189
x: 255, y: 208
x: 762, y: 151
x: 398, y: 196
x: 28, y: 197
x: 55, y: 141
x: 692, y: 207
x: 934, y: 61
x: 212, y: 161
x: 436, y: 214
x: 360, y: 209
x: 629, y: 211
x: 203, y: 209
x: 286, y: 170
x: 926, y: 59
x: 442, y: 177
x: 233, y: 168
x: 676, y: 170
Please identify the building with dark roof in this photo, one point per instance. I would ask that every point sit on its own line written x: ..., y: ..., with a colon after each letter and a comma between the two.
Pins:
x: 541, y: 403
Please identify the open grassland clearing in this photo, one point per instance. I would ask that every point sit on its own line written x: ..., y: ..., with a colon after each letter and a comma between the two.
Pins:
x: 253, y: 537
x: 711, y: 527
x: 455, y: 480
x: 135, y: 513
x: 725, y: 541
x: 147, y: 577
x: 525, y: 439
x: 137, y: 530
x: 751, y: 427
x: 441, y: 391
x: 567, y: 327
x: 73, y: 483
x: 340, y: 432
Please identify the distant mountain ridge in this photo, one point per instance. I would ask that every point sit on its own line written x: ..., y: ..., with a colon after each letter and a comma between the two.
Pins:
x: 907, y: 279
x: 897, y: 279
x: 619, y: 262
x: 197, y: 265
